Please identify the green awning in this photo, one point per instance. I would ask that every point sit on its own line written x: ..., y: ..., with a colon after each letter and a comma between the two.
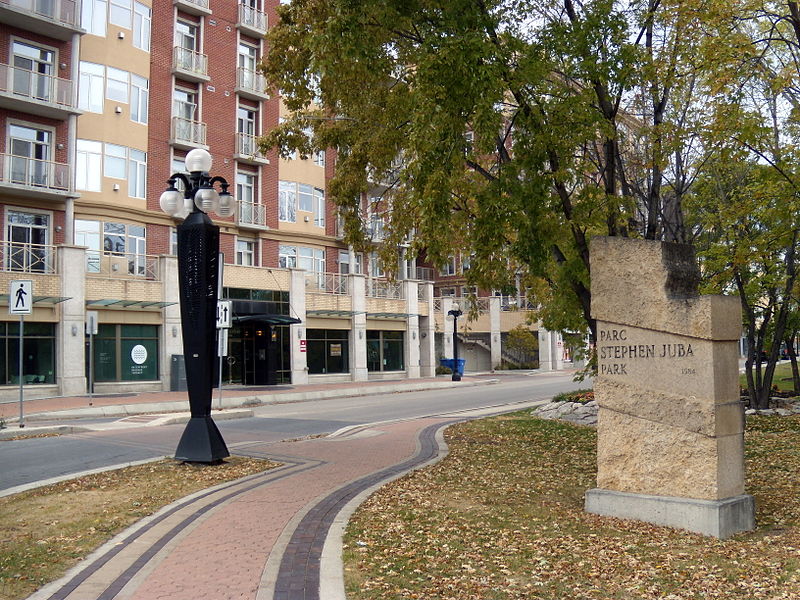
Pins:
x: 137, y: 304
x: 41, y: 299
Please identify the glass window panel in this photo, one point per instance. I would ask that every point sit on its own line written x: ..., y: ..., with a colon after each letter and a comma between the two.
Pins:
x: 305, y: 197
x: 120, y: 13
x: 117, y: 84
x: 116, y: 161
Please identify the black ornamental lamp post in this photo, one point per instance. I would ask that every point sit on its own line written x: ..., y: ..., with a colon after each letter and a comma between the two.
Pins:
x: 455, y: 313
x: 198, y: 273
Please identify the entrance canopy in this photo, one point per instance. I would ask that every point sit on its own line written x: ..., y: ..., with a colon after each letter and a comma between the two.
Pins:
x: 269, y: 319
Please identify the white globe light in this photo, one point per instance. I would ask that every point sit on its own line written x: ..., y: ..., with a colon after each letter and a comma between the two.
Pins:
x: 207, y: 199
x: 198, y: 160
x: 227, y: 205
x: 185, y: 208
x: 456, y: 306
x: 171, y: 201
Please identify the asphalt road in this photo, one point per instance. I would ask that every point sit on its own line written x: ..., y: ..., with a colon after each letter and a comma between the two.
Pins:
x: 31, y: 460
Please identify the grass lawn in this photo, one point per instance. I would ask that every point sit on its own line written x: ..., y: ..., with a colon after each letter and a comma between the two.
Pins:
x: 502, y: 518
x: 46, y: 531
x: 782, y: 377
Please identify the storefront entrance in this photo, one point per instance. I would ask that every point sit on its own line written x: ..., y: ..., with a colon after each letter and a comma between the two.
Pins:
x: 258, y: 354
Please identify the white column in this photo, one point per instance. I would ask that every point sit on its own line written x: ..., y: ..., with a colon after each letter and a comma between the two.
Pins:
x: 297, y: 332
x: 496, y: 340
x: 447, y: 328
x: 358, y: 332
x: 171, y: 336
x: 551, y: 356
x: 412, y: 341
x: 71, y: 352
x: 427, y: 332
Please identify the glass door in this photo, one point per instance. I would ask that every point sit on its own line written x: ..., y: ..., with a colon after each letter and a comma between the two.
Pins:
x: 27, y: 235
x: 30, y: 155
x: 33, y: 71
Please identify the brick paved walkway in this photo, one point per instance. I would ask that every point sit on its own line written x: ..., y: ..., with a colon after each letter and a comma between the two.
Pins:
x: 260, y: 538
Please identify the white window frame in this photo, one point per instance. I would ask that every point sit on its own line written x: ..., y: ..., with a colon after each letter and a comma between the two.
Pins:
x: 287, y: 201
x: 137, y: 174
x: 115, y: 161
x: 120, y: 77
x: 142, y: 25
x: 287, y: 256
x: 449, y: 268
x: 139, y: 98
x: 246, y: 252
x: 89, y: 165
x: 92, y: 87
x: 120, y: 13
x: 94, y: 17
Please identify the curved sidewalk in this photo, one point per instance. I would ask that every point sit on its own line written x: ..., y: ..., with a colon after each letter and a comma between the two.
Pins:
x: 263, y: 537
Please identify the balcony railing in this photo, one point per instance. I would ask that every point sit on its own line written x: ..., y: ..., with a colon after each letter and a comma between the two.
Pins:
x: 63, y: 11
x: 27, y: 258
x: 383, y: 288
x: 36, y: 86
x: 327, y: 283
x: 512, y: 303
x: 425, y: 274
x: 188, y: 132
x: 34, y: 173
x: 251, y: 83
x: 190, y: 61
x: 252, y: 214
x: 247, y: 145
x: 252, y: 18
x: 121, y: 264
x: 193, y: 6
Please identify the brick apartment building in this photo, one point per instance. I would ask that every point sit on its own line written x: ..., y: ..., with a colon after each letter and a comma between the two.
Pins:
x: 100, y: 100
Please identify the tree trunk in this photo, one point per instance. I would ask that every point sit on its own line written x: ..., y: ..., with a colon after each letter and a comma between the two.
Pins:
x: 793, y: 360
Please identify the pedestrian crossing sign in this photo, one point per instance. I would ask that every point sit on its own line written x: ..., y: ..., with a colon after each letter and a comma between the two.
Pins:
x: 20, y: 297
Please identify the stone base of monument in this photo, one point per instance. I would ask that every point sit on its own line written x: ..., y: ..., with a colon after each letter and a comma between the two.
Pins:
x: 716, y: 518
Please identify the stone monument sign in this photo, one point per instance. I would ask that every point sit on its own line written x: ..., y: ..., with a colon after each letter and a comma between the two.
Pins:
x: 670, y: 432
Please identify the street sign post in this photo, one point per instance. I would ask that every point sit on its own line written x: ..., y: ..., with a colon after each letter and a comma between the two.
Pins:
x: 20, y: 302
x: 224, y: 322
x: 224, y: 314
x: 91, y: 331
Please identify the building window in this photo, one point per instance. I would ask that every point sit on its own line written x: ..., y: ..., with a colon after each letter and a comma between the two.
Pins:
x: 87, y: 233
x: 137, y: 174
x: 28, y: 234
x: 90, y: 87
x: 187, y: 37
x: 376, y: 265
x: 39, y: 357
x: 32, y: 71
x: 141, y: 26
x: 447, y: 292
x: 93, y: 16
x: 89, y: 165
x: 30, y: 155
x: 140, y: 98
x: 385, y: 351
x: 328, y: 351
x: 245, y: 252
x: 449, y: 268
x: 376, y: 228
x: 117, y: 82
x: 245, y: 187
x: 287, y: 202
x: 173, y: 241
x: 311, y: 259
x: 116, y: 161
x: 126, y: 353
x: 287, y: 257
x: 303, y: 197
x: 120, y: 13
x: 319, y: 158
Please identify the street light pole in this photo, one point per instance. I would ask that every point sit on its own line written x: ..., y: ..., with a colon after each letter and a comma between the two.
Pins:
x: 455, y: 313
x: 198, y: 252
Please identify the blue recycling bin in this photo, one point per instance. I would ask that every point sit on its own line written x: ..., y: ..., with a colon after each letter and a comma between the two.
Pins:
x: 448, y: 362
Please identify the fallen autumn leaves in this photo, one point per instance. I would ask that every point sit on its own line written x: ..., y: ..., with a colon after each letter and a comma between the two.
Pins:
x: 502, y: 518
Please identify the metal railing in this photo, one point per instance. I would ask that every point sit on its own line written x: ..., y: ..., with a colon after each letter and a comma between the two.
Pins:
x: 512, y: 303
x: 35, y: 173
x: 203, y: 4
x: 189, y: 60
x: 37, y: 86
x: 425, y: 274
x: 420, y: 292
x: 63, y: 11
x: 383, y: 288
x: 327, y: 283
x: 188, y: 132
x: 121, y: 264
x: 251, y: 80
x: 19, y: 257
x: 437, y: 305
x: 252, y: 17
x: 251, y: 213
x: 247, y: 145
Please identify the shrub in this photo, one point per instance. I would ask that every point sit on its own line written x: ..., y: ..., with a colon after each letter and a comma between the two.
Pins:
x: 579, y: 396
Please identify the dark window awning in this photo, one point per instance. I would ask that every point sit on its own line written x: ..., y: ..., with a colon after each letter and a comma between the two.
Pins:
x: 388, y: 315
x: 137, y: 304
x: 41, y: 299
x: 269, y: 319
x: 330, y: 313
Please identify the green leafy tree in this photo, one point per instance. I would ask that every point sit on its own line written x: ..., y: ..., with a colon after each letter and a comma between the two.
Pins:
x: 580, y: 115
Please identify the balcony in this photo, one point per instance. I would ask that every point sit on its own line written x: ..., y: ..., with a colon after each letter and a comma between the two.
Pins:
x: 251, y: 84
x: 326, y: 283
x: 58, y: 19
x: 121, y: 265
x: 252, y: 215
x: 247, y: 150
x: 190, y: 65
x: 193, y: 7
x: 383, y: 288
x: 36, y: 93
x: 252, y: 21
x: 31, y: 178
x: 16, y: 257
x: 187, y: 134
x: 425, y: 274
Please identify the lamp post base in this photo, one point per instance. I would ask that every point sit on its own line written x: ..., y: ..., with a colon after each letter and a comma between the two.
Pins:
x: 456, y: 376
x: 201, y: 442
